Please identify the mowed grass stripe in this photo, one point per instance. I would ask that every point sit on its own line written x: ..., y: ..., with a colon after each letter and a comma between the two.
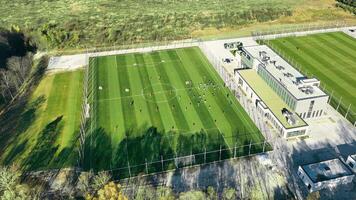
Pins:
x: 155, y: 117
x: 312, y: 65
x: 73, y: 111
x: 235, y: 121
x: 176, y: 108
x: 164, y: 108
x: 342, y: 49
x: 336, y: 61
x: 112, y: 108
x: 345, y: 39
x: 220, y: 96
x: 337, y: 58
x: 205, y: 116
x: 215, y: 108
x: 141, y: 108
x: 243, y: 123
x: 323, y: 62
x: 186, y: 102
x: 128, y: 107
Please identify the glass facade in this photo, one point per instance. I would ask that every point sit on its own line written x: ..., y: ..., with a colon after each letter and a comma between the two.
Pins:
x: 278, y: 88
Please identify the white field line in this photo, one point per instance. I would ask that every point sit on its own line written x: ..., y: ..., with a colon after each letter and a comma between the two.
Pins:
x: 162, y: 92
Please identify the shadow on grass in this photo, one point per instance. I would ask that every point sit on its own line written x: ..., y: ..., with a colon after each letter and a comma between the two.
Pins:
x: 17, y: 117
x: 44, y: 150
x: 152, y: 146
x: 18, y: 125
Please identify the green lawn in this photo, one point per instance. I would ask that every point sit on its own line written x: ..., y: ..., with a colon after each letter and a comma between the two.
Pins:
x: 162, y: 103
x: 330, y: 57
x: 45, y: 133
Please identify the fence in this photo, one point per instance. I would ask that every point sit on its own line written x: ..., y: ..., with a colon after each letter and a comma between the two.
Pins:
x: 336, y: 101
x: 156, y: 45
x: 303, y: 29
x: 172, y: 162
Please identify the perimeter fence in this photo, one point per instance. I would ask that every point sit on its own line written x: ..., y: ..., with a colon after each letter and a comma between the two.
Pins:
x: 300, y: 29
x: 173, y: 161
x: 154, y: 151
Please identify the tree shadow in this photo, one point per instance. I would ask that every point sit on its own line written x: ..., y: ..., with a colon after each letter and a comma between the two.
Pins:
x: 16, y: 122
x: 45, y: 149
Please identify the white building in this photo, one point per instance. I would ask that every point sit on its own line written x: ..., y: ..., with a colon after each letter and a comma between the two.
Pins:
x: 300, y: 93
x: 329, y: 173
x: 351, y: 162
x: 270, y: 105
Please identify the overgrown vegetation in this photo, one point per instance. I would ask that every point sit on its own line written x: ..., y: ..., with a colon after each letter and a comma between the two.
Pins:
x: 73, y: 23
x: 349, y: 5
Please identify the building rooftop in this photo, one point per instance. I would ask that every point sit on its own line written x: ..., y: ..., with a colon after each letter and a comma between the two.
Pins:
x: 287, y: 75
x: 221, y: 53
x: 326, y: 170
x: 269, y: 97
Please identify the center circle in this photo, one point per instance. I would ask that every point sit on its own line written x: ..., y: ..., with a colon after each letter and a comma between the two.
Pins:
x: 159, y: 92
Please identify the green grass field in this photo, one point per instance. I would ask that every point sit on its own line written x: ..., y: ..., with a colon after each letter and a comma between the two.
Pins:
x: 44, y: 135
x: 330, y: 57
x: 164, y: 103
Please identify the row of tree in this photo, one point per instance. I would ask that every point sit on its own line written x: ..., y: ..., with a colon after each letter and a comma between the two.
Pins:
x: 348, y: 5
x: 16, y: 54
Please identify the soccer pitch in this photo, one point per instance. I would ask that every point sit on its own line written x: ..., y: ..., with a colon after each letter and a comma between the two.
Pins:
x: 159, y: 105
x: 330, y: 57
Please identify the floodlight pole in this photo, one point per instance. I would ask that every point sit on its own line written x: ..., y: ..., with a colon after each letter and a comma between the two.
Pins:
x: 162, y: 162
x: 235, y: 151
x: 339, y: 104
x: 205, y: 156
x: 347, y: 112
x: 332, y: 93
x: 128, y: 164
x: 220, y: 154
x: 146, y: 166
x: 249, y: 149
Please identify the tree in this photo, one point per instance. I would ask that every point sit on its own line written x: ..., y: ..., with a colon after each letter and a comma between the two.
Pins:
x: 165, y: 193
x: 8, y: 180
x: 211, y: 194
x: 12, y: 189
x: 192, y: 195
x: 229, y: 194
x: 100, y: 180
x: 109, y: 191
x: 256, y: 193
x: 145, y: 193
x: 84, y: 181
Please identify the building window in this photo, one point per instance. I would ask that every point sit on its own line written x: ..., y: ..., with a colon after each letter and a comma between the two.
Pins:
x: 321, y: 112
x: 310, y: 108
x: 313, y: 113
x: 317, y: 114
